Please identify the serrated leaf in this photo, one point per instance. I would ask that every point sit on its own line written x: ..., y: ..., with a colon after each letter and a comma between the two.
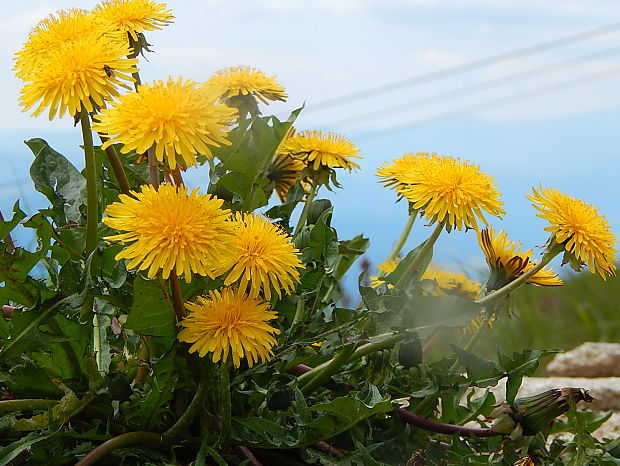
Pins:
x: 7, y: 226
x: 481, y: 372
x: 11, y: 451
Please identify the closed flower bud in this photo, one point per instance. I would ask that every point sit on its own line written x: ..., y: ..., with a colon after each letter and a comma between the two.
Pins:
x: 118, y: 387
x: 410, y: 352
x: 279, y: 397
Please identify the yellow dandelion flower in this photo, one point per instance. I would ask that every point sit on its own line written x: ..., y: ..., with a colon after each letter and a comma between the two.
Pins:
x: 134, y: 16
x: 55, y: 30
x: 404, y: 170
x: 82, y: 72
x: 284, y: 172
x: 507, y: 262
x: 321, y: 150
x: 265, y: 257
x: 453, y: 191
x: 385, y: 268
x: 450, y: 283
x: 229, y: 322
x: 177, y: 118
x: 170, y: 230
x: 243, y: 81
x: 578, y: 226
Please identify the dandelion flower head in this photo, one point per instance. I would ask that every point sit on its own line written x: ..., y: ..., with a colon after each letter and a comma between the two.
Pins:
x: 230, y: 324
x: 507, y: 262
x: 135, y: 16
x: 453, y: 191
x: 171, y: 231
x: 176, y: 118
x: 578, y: 226
x: 321, y: 150
x: 243, y: 81
x: 265, y: 257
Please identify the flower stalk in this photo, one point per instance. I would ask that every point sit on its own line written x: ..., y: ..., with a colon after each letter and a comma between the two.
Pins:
x: 117, y: 167
x: 417, y: 260
x: 92, y: 202
x: 402, y: 239
x: 304, y: 213
x: 323, y: 374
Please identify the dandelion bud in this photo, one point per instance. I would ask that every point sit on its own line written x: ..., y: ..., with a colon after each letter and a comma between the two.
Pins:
x: 410, y: 352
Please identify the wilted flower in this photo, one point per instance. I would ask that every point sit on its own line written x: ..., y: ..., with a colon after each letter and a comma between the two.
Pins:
x: 177, y: 119
x: 584, y: 233
x: 507, y: 262
x: 170, y: 230
x: 284, y: 172
x: 264, y: 258
x: 228, y: 322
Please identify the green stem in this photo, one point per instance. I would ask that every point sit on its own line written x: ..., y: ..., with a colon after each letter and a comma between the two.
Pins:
x: 417, y: 260
x: 117, y: 167
x: 6, y: 406
x: 177, y: 296
x: 122, y: 441
x: 225, y: 403
x: 92, y: 204
x: 314, y: 188
x: 190, y: 413
x: 322, y: 375
x: 402, y: 239
x: 522, y: 279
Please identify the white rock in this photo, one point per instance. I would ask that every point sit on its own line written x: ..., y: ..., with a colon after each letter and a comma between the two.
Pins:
x: 588, y: 360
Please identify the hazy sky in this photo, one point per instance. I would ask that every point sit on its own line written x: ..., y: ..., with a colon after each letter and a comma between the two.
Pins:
x: 325, y: 49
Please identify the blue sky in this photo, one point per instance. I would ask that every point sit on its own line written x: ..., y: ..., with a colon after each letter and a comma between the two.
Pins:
x: 324, y: 49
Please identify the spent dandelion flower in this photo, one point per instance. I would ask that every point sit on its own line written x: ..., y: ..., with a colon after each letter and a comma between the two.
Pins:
x: 229, y: 324
x: 134, y: 16
x: 454, y: 192
x: 507, y: 262
x: 321, y: 150
x: 80, y: 73
x: 171, y: 231
x: 238, y: 81
x: 579, y: 228
x: 265, y: 257
x: 284, y: 172
x: 177, y: 119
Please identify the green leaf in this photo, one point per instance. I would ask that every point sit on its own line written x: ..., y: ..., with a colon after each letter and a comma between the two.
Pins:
x: 11, y: 451
x: 18, y: 285
x: 481, y: 372
x: 150, y: 313
x: 29, y: 381
x: 8, y: 226
x: 323, y: 240
x: 403, y: 265
x: 521, y: 364
x: 58, y: 180
x: 349, y: 251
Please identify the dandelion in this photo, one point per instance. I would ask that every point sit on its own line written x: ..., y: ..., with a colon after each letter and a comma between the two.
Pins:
x: 265, y: 257
x: 385, y: 268
x: 403, y: 171
x: 79, y: 73
x: 577, y: 226
x: 177, y: 119
x: 284, y: 172
x: 54, y: 31
x: 245, y: 81
x: 453, y: 191
x: 507, y: 262
x: 448, y: 283
x: 321, y: 150
x: 229, y: 322
x: 134, y: 16
x: 170, y: 230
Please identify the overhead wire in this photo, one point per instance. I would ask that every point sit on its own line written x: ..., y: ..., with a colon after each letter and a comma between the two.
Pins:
x: 458, y: 69
x: 504, y: 100
x: 474, y: 88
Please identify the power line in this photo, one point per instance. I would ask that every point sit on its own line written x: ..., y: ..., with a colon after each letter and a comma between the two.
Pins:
x: 433, y: 75
x: 478, y: 87
x: 548, y: 89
